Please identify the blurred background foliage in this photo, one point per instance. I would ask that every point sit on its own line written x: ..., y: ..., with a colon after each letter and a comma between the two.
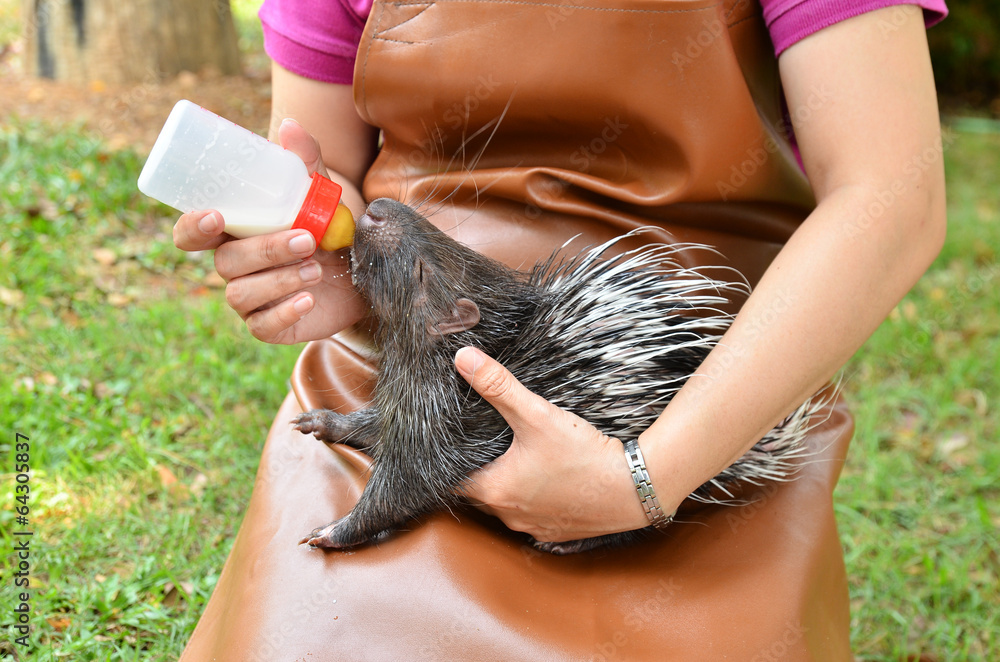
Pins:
x: 965, y: 53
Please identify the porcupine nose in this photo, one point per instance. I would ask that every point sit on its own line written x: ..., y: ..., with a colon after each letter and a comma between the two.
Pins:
x: 375, y: 216
x: 369, y: 222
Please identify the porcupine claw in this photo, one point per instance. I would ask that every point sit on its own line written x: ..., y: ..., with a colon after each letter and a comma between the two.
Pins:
x: 322, y: 537
x: 341, y: 534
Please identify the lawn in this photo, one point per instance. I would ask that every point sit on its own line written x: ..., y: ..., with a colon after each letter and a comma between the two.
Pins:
x: 917, y: 504
x: 144, y: 403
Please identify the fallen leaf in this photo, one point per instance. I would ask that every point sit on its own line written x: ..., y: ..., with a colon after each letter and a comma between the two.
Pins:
x: 70, y: 319
x: 187, y: 79
x: 119, y: 300
x: 213, y: 279
x: 38, y: 581
x: 986, y: 212
x: 47, y: 209
x: 909, y: 422
x: 102, y: 391
x: 974, y: 399
x: 58, y: 624
x: 105, y: 256
x: 955, y: 442
x: 198, y: 484
x: 171, y: 596
x: 117, y: 142
x: 167, y: 477
x: 12, y: 298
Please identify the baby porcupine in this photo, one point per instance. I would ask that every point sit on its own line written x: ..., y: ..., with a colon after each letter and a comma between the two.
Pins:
x: 611, y: 340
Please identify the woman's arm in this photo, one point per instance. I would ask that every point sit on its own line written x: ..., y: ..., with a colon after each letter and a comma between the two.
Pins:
x: 283, y: 294
x: 872, y: 151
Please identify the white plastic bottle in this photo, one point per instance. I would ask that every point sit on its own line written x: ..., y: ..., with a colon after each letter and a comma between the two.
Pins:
x: 202, y: 161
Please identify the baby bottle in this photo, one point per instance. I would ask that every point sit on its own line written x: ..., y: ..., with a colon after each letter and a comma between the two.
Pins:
x: 202, y: 161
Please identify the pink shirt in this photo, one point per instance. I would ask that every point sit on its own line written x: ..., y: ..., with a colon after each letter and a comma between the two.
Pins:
x: 319, y: 39
x: 792, y: 20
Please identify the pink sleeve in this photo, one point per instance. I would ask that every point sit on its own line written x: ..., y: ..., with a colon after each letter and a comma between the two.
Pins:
x: 792, y: 20
x: 317, y: 39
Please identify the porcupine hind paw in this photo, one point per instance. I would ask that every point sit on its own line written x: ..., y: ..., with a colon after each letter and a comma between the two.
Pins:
x: 322, y: 537
x: 337, y: 535
x: 352, y: 429
x: 321, y: 423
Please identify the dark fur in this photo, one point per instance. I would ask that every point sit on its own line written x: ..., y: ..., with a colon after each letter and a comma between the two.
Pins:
x: 426, y: 430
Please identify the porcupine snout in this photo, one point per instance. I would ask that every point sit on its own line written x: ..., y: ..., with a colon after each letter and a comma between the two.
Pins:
x: 381, y: 222
x: 378, y: 234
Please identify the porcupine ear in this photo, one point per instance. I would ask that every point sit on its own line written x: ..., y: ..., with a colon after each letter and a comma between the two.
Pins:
x: 463, y: 316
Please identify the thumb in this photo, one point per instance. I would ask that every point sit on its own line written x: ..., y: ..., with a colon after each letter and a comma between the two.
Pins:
x: 293, y: 137
x: 496, y: 384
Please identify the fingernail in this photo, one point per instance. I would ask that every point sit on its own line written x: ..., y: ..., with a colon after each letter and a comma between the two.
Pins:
x: 209, y: 223
x: 303, y: 305
x: 309, y: 272
x: 469, y: 359
x: 302, y: 244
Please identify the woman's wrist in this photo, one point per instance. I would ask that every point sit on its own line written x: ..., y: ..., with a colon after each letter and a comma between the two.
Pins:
x: 657, y: 516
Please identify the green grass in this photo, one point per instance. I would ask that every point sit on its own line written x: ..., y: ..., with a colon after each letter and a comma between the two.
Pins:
x: 917, y: 504
x: 251, y: 37
x: 127, y: 373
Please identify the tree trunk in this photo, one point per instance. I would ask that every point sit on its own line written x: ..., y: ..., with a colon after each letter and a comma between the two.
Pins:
x: 128, y: 42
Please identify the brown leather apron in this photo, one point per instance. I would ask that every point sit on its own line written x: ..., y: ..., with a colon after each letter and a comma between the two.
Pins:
x: 615, y: 114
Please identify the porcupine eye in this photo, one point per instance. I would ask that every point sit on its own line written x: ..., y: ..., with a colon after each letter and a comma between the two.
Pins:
x: 420, y: 292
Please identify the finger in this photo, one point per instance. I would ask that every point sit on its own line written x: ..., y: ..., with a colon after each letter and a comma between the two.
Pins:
x: 249, y: 293
x: 485, y: 485
x: 246, y: 256
x: 272, y: 324
x: 199, y: 231
x: 296, y: 139
x: 498, y: 386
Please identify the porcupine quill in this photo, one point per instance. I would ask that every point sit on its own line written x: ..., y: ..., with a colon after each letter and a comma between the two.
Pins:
x: 611, y: 339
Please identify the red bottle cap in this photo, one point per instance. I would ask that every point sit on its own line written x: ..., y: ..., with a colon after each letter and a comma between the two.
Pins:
x: 319, y: 206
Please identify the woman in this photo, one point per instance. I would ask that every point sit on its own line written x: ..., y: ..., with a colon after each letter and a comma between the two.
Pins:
x: 677, y: 123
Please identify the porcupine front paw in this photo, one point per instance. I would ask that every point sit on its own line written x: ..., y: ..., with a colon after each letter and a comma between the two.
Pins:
x: 323, y: 424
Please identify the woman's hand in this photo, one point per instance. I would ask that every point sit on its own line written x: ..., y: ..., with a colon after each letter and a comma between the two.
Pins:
x: 561, y: 479
x: 284, y: 289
